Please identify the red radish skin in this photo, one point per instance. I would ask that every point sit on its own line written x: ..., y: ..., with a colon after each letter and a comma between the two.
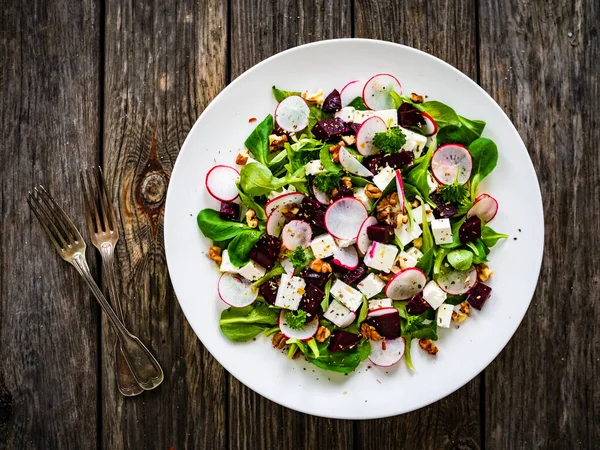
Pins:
x: 346, y: 257
x: 322, y: 197
x: 353, y: 165
x: 366, y: 133
x: 376, y: 91
x: 387, y: 352
x: 236, y: 291
x: 221, y: 183
x: 400, y: 189
x: 284, y: 199
x: 344, y: 218
x: 485, y: 207
x: 275, y: 222
x: 406, y: 284
x: 450, y: 163
x: 362, y: 239
x: 296, y: 233
x: 458, y: 282
x: 352, y: 90
x: 430, y: 127
x: 304, y: 333
x: 292, y: 114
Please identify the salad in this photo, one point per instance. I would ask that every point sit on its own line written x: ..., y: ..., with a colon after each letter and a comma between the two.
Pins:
x: 352, y: 225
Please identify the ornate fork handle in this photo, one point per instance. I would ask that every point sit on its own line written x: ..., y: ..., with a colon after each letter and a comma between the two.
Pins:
x: 142, y: 364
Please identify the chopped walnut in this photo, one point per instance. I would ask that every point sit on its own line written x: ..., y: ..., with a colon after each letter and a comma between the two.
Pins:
x: 320, y: 266
x: 290, y: 211
x: 347, y: 181
x: 428, y: 346
x: 214, y: 253
x: 459, y: 317
x: 386, y: 276
x: 415, y: 203
x: 483, y: 272
x: 416, y: 98
x: 279, y: 340
x: 349, y: 140
x: 251, y: 219
x: 334, y: 192
x: 322, y: 334
x: 418, y: 242
x: 297, y: 354
x: 335, y: 152
x: 369, y: 332
x: 393, y: 198
x: 372, y: 191
x: 242, y: 157
x: 465, y: 308
x: 404, y: 218
x: 277, y: 142
x: 315, y: 98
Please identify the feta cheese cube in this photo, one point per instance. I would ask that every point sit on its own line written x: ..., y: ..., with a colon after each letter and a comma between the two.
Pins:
x: 415, y: 142
x: 380, y: 303
x: 389, y: 116
x: 418, y: 213
x: 323, y: 246
x: 434, y: 295
x: 339, y: 314
x: 383, y: 178
x: 405, y: 235
x: 381, y: 256
x: 410, y: 257
x: 361, y: 196
x: 314, y: 167
x: 341, y: 243
x: 290, y: 292
x: 371, y: 285
x: 252, y: 271
x: 346, y: 114
x: 287, y: 266
x: 361, y: 116
x: 348, y: 296
x: 226, y: 265
x: 433, y: 184
x: 441, y: 230
x: 444, y: 315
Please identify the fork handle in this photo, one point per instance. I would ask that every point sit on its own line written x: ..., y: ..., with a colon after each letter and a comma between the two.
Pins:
x: 144, y: 367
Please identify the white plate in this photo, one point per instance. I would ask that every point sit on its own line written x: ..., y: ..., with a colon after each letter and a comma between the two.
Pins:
x: 368, y: 392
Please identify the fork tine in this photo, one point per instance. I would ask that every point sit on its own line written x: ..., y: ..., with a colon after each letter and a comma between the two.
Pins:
x: 94, y: 199
x: 44, y: 220
x: 101, y: 198
x: 87, y: 202
x: 61, y: 216
x: 111, y: 217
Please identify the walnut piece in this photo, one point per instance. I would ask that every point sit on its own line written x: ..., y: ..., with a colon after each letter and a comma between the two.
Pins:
x: 415, y: 203
x: 372, y: 191
x: 315, y: 98
x: 347, y: 181
x: 277, y: 142
x: 242, y: 157
x: 349, y: 140
x: 320, y: 266
x: 459, y: 317
x: 251, y: 219
x: 483, y: 272
x: 322, y: 334
x: 297, y: 354
x: 428, y: 346
x: 393, y: 198
x: 335, y: 151
x: 386, y: 276
x: 465, y: 308
x: 416, y: 98
x: 369, y: 332
x: 279, y: 340
x: 214, y: 253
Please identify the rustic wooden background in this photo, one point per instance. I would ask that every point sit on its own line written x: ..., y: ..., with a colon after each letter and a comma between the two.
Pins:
x: 120, y: 82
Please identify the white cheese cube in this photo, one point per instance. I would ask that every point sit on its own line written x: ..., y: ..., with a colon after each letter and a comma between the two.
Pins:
x: 444, y: 315
x: 411, y: 257
x: 348, y: 296
x: 381, y: 256
x: 434, y: 295
x: 361, y: 196
x: 323, y: 246
x: 314, y: 167
x: 346, y: 114
x: 341, y: 243
x: 380, y: 303
x: 405, y: 235
x: 441, y: 230
x: 226, y: 265
x: 389, y: 116
x: 290, y: 292
x: 415, y: 142
x: 339, y: 314
x: 371, y: 285
x: 418, y: 213
x: 252, y: 271
x: 288, y: 266
x: 383, y: 178
x: 361, y: 116
x: 433, y: 184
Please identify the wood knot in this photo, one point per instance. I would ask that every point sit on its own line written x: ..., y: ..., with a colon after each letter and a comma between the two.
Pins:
x: 153, y: 188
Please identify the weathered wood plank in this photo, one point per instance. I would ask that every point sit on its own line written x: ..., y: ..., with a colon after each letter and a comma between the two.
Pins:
x: 446, y: 29
x: 50, y: 128
x: 542, y: 391
x: 260, y: 29
x: 164, y: 63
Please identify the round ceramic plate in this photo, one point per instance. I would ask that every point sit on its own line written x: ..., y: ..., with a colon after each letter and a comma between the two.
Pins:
x: 369, y: 392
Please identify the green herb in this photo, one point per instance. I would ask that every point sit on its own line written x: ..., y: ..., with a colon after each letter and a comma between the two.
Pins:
x: 325, y: 302
x: 419, y: 174
x: 258, y: 141
x: 326, y: 182
x: 416, y: 327
x: 454, y: 193
x: 274, y: 272
x: 364, y: 310
x: 216, y: 228
x: 256, y: 179
x: 425, y: 262
x: 397, y: 99
x: 428, y: 243
x: 485, y: 157
x: 480, y: 251
x: 358, y: 104
x: 455, y: 299
x: 328, y: 164
x: 390, y: 141
x: 490, y: 237
x: 452, y: 134
x: 239, y: 248
x: 460, y: 259
x: 280, y: 94
x: 243, y: 324
x: 298, y: 258
x: 249, y: 203
x: 473, y: 128
x: 439, y: 259
x: 410, y: 192
x: 295, y: 319
x: 342, y: 362
x: 358, y: 181
x: 441, y: 113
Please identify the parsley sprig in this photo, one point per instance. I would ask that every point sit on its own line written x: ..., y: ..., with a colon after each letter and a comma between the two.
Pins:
x: 295, y: 319
x: 326, y: 182
x: 390, y: 141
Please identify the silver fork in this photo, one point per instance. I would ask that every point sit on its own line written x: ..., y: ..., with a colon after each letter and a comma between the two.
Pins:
x: 102, y: 225
x: 70, y: 245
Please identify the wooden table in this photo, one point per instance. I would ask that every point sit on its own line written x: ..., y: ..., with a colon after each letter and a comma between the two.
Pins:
x: 119, y: 83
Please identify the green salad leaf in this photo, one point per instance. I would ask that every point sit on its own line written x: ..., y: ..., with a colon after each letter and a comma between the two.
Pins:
x: 280, y: 94
x: 325, y: 301
x: 364, y: 310
x: 342, y: 362
x: 490, y: 238
x: 243, y: 324
x: 390, y: 141
x: 217, y: 229
x: 358, y: 104
x: 485, y: 157
x: 416, y: 327
x: 455, y: 238
x: 473, y: 128
x: 258, y: 141
x: 452, y: 134
x: 460, y: 259
x: 256, y: 179
x: 241, y: 245
x: 419, y: 174
x: 249, y: 203
x: 425, y: 263
x: 441, y: 113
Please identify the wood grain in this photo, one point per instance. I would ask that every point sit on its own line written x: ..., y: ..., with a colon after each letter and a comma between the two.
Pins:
x: 49, y: 125
x: 446, y: 29
x: 542, y: 391
x: 260, y: 29
x: 164, y: 62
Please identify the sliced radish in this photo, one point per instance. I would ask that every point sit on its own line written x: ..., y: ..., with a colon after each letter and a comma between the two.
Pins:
x: 346, y: 257
x: 236, y: 291
x: 400, y: 189
x: 351, y: 91
x: 387, y: 352
x: 296, y: 233
x: 406, y: 284
x: 353, y: 165
x: 458, y: 282
x: 485, y: 207
x: 382, y: 312
x: 430, y: 127
x: 221, y: 183
x: 275, y: 223
x: 362, y: 239
x: 366, y: 133
x: 450, y: 163
x: 322, y: 197
x: 292, y: 114
x: 284, y: 199
x: 376, y: 93
x: 344, y: 217
x: 288, y: 266
x: 304, y: 333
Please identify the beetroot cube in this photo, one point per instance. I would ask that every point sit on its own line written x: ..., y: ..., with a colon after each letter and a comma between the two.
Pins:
x: 343, y: 340
x: 398, y: 160
x: 315, y: 278
x: 387, y: 325
x: 381, y: 233
x: 352, y: 276
x: 269, y: 290
x: 329, y: 129
x: 311, y: 211
x: 478, y: 295
x: 266, y: 251
x: 409, y: 116
x: 229, y: 211
x: 417, y: 305
x: 470, y: 231
x: 444, y: 209
x: 333, y: 102
x: 311, y: 300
